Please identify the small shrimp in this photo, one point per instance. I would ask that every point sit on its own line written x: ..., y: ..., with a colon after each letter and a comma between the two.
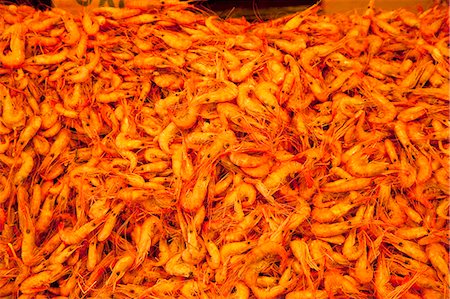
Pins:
x: 391, y: 151
x: 48, y: 59
x: 279, y: 175
x: 27, y: 134
x: 28, y: 248
x: 12, y: 117
x: 62, y: 140
x: 349, y: 250
x: 260, y: 171
x: 265, y: 92
x: 177, y: 267
x: 317, y: 88
x: 293, y: 46
x: 110, y: 222
x: 403, y: 202
x: 307, y: 294
x: 16, y: 57
x: 175, y: 40
x: 409, y: 248
x: 247, y: 160
x: 310, y: 54
x: 389, y: 112
x: 330, y: 230
x: 244, y: 193
x: 301, y: 252
x: 242, y: 73
x: 145, y: 238
x: 345, y: 185
x: 41, y: 281
x: 90, y: 25
x: 442, y: 209
x: 118, y: 271
x: 224, y: 92
x: 25, y: 168
x: 75, y: 236
x: 73, y: 32
x: 333, y: 213
x: 357, y: 165
x: 193, y: 200
x: 438, y: 256
x: 166, y: 136
x: 46, y: 213
x: 411, y: 233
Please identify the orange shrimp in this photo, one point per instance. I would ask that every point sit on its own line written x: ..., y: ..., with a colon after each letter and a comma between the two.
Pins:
x: 145, y: 238
x: 30, y: 130
x: 409, y: 248
x: 62, y: 140
x: 193, y: 199
x: 177, y: 267
x: 119, y: 269
x: 12, y: 116
x: 25, y: 168
x: 345, y: 185
x: 331, y: 214
x: 438, y: 256
x: 307, y: 294
x: 48, y: 59
x: 282, y: 173
x: 330, y: 230
x: 16, y: 57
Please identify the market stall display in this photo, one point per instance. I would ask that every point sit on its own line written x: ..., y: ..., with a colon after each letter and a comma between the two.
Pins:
x: 166, y: 152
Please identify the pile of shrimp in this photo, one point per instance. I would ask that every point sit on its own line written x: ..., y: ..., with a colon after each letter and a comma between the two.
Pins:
x: 164, y: 152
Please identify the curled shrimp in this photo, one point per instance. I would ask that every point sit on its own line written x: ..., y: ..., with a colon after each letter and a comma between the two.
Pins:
x: 16, y: 57
x: 279, y: 175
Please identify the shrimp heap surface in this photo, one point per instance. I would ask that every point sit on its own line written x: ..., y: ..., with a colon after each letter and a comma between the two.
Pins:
x: 164, y: 152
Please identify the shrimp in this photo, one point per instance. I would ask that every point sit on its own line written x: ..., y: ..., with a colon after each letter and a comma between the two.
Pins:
x: 345, y: 185
x: 175, y: 40
x: 359, y: 166
x: 241, y: 192
x: 363, y: 271
x: 312, y: 53
x: 119, y: 269
x: 175, y: 266
x: 25, y: 168
x: 28, y: 248
x: 307, y: 294
x: 282, y: 173
x: 16, y: 57
x: 61, y: 142
x: 247, y: 160
x: 193, y: 199
x: 27, y: 134
x: 438, y: 256
x: 225, y: 92
x: 75, y: 236
x: 166, y: 137
x: 442, y: 209
x: 46, y: 214
x: 331, y: 214
x: 330, y: 230
x: 90, y: 25
x: 49, y: 59
x: 145, y: 238
x: 389, y: 112
x: 12, y: 117
x: 41, y: 281
x: 242, y: 73
x: 301, y: 252
x: 407, y: 247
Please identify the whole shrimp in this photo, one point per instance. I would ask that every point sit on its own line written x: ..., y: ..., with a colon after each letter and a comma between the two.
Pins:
x: 16, y: 57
